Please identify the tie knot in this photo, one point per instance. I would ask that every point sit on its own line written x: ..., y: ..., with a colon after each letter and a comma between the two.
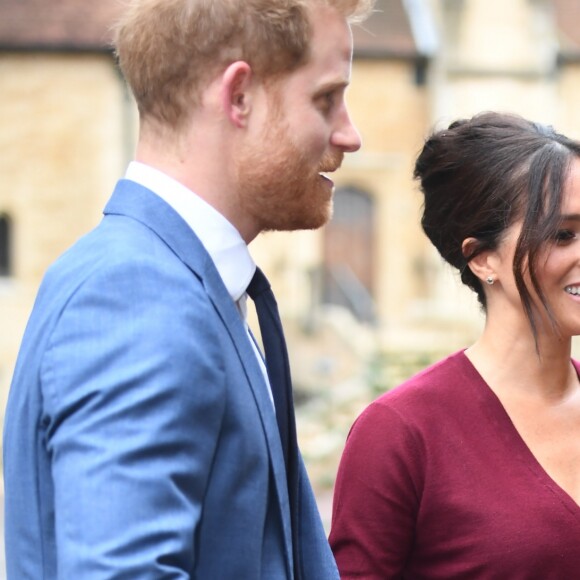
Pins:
x: 258, y: 285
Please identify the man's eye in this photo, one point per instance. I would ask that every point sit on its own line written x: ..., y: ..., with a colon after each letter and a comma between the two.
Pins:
x: 327, y: 100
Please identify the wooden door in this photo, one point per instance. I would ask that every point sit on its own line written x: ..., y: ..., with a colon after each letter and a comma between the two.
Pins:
x: 348, y: 271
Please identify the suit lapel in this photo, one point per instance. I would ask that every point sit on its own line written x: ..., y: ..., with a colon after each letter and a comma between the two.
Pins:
x: 137, y: 202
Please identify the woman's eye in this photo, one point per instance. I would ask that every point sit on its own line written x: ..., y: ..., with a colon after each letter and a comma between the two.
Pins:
x: 563, y: 236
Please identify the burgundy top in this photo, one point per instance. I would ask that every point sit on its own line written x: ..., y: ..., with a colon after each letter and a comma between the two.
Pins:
x: 435, y: 482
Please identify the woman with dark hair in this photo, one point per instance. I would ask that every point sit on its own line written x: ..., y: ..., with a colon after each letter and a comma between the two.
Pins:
x: 471, y: 469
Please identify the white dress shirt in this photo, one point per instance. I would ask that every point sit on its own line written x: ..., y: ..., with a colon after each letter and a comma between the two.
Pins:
x: 220, y: 238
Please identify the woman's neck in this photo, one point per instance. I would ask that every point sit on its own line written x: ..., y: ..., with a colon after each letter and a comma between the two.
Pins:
x: 510, y: 361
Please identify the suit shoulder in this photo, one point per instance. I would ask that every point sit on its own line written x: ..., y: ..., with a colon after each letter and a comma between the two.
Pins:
x: 131, y: 253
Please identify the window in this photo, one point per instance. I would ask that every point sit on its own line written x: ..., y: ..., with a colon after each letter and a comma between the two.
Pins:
x: 348, y: 276
x: 5, y: 245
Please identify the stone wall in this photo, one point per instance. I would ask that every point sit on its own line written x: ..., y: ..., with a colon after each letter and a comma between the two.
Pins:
x: 65, y: 138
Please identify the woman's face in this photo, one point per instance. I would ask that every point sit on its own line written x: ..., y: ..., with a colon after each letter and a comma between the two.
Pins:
x: 557, y: 269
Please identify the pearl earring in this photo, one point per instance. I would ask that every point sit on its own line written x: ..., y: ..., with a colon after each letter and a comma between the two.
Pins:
x: 489, y: 280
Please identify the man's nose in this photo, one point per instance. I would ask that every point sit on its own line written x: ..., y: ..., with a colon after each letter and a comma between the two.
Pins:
x: 346, y: 136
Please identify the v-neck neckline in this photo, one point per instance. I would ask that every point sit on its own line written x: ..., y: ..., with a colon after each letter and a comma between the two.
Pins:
x: 513, y: 437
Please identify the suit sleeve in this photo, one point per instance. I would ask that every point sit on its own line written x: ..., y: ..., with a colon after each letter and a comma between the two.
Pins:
x: 317, y: 559
x: 376, y: 497
x: 135, y: 395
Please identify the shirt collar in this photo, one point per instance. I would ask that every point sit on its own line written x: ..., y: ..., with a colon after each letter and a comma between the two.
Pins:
x: 220, y: 238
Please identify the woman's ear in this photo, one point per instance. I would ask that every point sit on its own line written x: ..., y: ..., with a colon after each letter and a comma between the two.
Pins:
x: 236, y: 97
x: 481, y: 264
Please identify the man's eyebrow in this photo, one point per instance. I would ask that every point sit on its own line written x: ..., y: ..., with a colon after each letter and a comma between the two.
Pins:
x: 330, y: 86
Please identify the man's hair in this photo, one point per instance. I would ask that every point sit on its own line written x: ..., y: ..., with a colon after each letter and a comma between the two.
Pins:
x: 168, y: 49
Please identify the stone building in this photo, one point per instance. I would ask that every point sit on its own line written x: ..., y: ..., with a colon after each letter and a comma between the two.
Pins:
x: 365, y: 299
x: 63, y: 141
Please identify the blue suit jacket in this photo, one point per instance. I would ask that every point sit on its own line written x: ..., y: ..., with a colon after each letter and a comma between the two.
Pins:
x: 140, y: 441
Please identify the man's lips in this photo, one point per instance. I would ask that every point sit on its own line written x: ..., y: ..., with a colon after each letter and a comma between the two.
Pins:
x: 324, y: 172
x: 323, y: 175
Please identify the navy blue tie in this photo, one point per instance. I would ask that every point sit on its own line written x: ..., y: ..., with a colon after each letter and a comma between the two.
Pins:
x: 278, y: 369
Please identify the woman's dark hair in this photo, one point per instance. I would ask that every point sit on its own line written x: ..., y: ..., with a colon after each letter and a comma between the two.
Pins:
x: 481, y: 175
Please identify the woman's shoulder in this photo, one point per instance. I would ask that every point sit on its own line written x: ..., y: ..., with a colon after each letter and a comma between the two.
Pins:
x: 441, y: 383
x: 419, y: 407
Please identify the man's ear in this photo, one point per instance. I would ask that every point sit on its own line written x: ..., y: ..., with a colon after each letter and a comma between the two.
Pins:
x: 481, y: 264
x: 236, y: 97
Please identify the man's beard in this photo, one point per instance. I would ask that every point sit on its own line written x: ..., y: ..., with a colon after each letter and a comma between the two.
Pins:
x: 281, y: 188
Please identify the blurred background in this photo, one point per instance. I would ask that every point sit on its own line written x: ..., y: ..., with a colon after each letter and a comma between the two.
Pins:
x: 366, y: 301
